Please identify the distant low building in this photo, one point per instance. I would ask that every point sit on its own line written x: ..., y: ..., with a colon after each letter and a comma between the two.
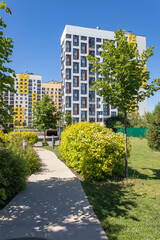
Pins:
x: 54, y: 90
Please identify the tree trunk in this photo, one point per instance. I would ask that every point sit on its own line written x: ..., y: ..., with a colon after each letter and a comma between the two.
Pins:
x: 125, y: 136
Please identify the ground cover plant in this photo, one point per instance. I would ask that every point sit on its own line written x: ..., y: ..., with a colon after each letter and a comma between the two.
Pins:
x: 93, y: 150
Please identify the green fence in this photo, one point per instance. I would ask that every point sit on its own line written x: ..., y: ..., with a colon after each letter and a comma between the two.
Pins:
x: 134, y: 132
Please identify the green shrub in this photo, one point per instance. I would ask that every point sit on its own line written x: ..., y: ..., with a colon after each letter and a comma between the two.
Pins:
x: 31, y: 137
x: 93, y: 150
x: 44, y: 143
x: 30, y: 156
x: 13, y: 174
x: 153, y: 134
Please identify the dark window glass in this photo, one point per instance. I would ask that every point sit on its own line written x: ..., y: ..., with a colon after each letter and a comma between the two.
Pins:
x: 83, y: 116
x: 68, y: 102
x: 68, y: 46
x: 83, y: 62
x: 75, y: 67
x: 67, y: 87
x: 75, y: 81
x: 83, y: 88
x: 75, y: 54
x: 83, y: 38
x: 75, y: 40
x: 68, y: 73
x: 83, y: 48
x: 91, y: 42
x: 75, y: 109
x: 75, y: 95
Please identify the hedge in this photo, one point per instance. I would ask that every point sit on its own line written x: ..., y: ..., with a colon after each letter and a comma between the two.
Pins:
x: 93, y: 150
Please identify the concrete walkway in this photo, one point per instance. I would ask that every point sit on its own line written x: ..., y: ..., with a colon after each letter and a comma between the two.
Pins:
x: 53, y: 206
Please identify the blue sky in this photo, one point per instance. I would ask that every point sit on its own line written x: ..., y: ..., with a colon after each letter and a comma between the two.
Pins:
x: 36, y: 27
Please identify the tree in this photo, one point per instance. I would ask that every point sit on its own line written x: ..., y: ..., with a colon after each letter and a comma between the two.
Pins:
x: 68, y: 119
x: 153, y: 134
x: 121, y: 75
x: 45, y: 115
x: 6, y: 81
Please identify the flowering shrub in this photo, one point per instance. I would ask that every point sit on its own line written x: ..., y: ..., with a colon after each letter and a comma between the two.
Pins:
x: 93, y: 150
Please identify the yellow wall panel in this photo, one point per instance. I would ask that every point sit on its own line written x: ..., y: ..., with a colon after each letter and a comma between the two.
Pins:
x: 23, y: 83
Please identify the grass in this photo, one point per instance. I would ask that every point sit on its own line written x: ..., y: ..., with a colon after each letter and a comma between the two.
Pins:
x: 129, y: 209
x: 55, y: 150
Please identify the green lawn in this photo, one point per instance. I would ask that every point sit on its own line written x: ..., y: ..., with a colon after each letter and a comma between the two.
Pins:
x: 55, y: 150
x: 130, y: 210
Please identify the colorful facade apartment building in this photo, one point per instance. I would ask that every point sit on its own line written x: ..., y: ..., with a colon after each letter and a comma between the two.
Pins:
x: 78, y: 99
x: 28, y: 92
x: 54, y: 90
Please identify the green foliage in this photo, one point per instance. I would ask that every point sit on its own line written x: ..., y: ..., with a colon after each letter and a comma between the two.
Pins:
x: 31, y: 137
x: 13, y: 174
x: 44, y: 143
x: 133, y: 121
x: 121, y: 74
x: 6, y: 81
x: 153, y: 134
x: 93, y: 150
x: 124, y: 72
x: 68, y: 119
x: 29, y: 155
x: 45, y: 115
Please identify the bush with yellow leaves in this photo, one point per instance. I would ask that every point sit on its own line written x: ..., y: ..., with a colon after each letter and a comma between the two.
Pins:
x: 93, y: 150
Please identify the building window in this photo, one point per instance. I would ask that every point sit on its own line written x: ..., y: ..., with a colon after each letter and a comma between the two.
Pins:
x: 75, y: 81
x: 92, y: 96
x: 68, y: 35
x: 83, y: 88
x: 75, y: 67
x: 91, y: 81
x: 90, y: 69
x: 83, y: 102
x: 67, y: 87
x: 75, y: 95
x: 68, y: 73
x: 113, y: 114
x: 75, y: 54
x: 83, y: 116
x: 83, y: 62
x: 83, y: 48
x: 68, y: 60
x: 75, y: 120
x: 68, y: 46
x: 91, y: 109
x: 98, y: 103
x: 75, y: 109
x: 68, y: 101
x: 83, y: 75
x: 98, y: 39
x: 105, y: 110
x: 97, y: 49
x: 75, y: 40
x: 92, y: 53
x: 91, y: 42
x: 83, y: 38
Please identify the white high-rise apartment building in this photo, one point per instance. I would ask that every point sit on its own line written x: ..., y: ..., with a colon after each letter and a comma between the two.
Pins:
x: 28, y: 92
x: 83, y: 103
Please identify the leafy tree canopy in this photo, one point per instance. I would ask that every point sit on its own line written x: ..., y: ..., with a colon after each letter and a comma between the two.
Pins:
x: 121, y: 75
x: 6, y: 81
x: 45, y: 114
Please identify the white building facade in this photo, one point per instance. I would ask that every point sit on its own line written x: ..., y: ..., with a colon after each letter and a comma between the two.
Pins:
x: 28, y: 92
x: 78, y: 99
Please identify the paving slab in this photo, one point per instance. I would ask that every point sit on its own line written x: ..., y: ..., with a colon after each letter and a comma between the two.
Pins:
x: 53, y: 206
